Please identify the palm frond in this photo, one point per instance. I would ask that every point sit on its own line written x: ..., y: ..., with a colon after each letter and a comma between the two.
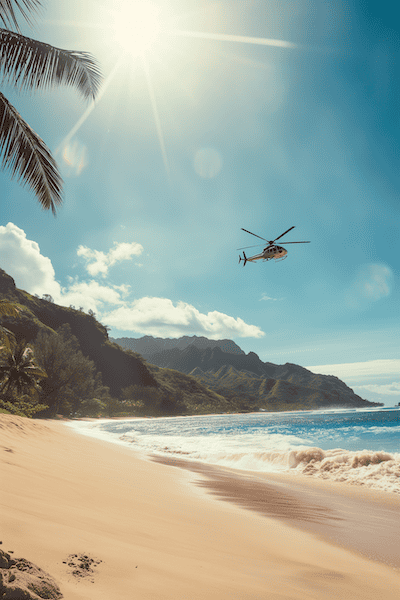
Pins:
x: 28, y: 64
x: 7, y: 338
x: 7, y: 309
x: 28, y: 157
x: 8, y: 11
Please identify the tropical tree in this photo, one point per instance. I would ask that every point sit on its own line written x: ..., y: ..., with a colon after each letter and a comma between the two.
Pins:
x: 7, y: 309
x: 27, y: 64
x: 71, y: 376
x: 18, y: 371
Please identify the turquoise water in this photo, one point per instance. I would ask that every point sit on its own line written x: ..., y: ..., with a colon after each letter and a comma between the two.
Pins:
x: 358, y: 446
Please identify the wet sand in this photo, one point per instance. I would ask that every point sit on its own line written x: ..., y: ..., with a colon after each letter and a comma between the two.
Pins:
x: 159, y: 536
x: 364, y: 520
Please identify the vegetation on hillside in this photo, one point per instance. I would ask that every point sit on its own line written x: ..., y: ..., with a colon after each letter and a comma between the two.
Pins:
x: 20, y: 378
x: 86, y: 374
x: 250, y: 391
x: 10, y: 310
x: 119, y: 368
x: 82, y: 373
x: 72, y: 384
x: 52, y: 377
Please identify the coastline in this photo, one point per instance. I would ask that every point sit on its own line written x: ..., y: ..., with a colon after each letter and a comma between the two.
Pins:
x: 158, y: 536
x: 327, y: 509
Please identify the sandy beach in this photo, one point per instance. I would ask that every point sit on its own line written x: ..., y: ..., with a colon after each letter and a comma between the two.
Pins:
x: 159, y: 535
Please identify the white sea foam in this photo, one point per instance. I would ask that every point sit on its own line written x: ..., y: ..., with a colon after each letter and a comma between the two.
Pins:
x: 271, y: 443
x: 378, y: 470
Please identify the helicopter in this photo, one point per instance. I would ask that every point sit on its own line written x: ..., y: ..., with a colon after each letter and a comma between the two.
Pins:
x: 272, y: 251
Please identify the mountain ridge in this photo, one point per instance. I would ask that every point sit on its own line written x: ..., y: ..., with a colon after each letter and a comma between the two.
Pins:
x: 235, y: 374
x: 149, y: 345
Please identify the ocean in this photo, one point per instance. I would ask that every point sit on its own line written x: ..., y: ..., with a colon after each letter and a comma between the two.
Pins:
x: 357, y: 446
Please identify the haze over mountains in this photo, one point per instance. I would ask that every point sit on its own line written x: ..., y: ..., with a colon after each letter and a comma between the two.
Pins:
x: 222, y: 366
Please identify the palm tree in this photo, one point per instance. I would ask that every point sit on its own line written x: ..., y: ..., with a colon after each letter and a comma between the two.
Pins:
x: 7, y: 309
x: 18, y: 371
x: 27, y: 64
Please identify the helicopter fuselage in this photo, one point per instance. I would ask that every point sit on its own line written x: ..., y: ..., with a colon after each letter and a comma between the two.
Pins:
x: 269, y: 253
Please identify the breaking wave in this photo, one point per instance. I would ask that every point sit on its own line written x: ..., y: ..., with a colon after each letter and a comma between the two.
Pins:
x: 274, y: 443
x: 378, y: 470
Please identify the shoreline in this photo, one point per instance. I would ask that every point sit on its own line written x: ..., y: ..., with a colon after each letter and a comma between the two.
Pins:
x: 377, y: 469
x: 324, y: 508
x: 156, y: 534
x: 255, y: 412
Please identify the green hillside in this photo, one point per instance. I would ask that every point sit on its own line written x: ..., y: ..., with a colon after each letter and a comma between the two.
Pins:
x: 155, y: 391
x: 255, y: 392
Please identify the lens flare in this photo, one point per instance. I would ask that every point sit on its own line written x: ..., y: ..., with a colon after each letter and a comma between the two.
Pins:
x: 207, y: 162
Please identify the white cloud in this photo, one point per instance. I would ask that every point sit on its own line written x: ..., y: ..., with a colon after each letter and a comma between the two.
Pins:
x: 266, y: 297
x: 99, y: 262
x: 373, y: 379
x: 21, y: 258
x: 91, y: 295
x: 360, y: 370
x: 159, y: 316
x: 387, y: 389
x: 33, y: 272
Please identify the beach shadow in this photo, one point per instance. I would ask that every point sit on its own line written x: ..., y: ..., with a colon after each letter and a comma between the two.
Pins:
x: 329, y: 514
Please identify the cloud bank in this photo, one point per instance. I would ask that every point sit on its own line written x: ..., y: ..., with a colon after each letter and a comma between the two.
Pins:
x: 147, y: 315
x: 387, y: 389
x: 21, y: 258
x: 360, y: 370
x: 376, y: 380
x: 98, y: 263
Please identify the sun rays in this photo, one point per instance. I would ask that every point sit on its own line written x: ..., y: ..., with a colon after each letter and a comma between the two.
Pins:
x: 64, y: 146
x: 156, y: 116
x: 241, y: 39
x: 137, y: 30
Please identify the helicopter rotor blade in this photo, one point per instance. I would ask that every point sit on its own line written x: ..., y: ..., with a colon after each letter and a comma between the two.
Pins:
x: 244, y: 247
x: 261, y: 238
x: 284, y: 243
x: 282, y: 234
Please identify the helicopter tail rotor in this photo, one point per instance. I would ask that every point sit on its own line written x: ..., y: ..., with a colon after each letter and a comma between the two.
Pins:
x: 244, y: 259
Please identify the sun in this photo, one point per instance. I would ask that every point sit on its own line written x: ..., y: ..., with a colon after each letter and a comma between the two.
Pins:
x: 140, y: 34
x: 136, y: 26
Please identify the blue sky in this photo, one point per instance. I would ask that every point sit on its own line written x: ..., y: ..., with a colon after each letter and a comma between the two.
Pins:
x: 212, y: 117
